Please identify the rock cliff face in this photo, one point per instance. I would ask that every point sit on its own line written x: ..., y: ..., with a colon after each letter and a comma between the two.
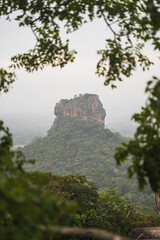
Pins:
x: 86, y: 107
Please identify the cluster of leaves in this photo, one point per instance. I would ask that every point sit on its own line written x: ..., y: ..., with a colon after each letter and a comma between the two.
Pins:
x: 6, y: 79
x: 84, y: 147
x: 41, y: 17
x: 144, y: 149
x: 26, y: 212
x: 118, y: 61
x: 136, y: 19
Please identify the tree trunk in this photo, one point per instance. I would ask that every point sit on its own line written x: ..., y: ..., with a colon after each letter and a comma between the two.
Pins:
x: 157, y: 199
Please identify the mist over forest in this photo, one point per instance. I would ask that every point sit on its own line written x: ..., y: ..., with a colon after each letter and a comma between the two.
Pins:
x: 26, y: 127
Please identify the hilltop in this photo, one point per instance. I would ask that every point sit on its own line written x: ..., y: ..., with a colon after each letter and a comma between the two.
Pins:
x: 78, y: 143
x: 85, y: 107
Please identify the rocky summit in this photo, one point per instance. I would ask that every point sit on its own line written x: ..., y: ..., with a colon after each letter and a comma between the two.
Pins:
x: 78, y: 143
x: 85, y: 107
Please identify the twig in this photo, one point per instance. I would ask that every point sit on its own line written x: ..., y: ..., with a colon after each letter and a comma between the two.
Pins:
x: 34, y: 33
x: 106, y: 21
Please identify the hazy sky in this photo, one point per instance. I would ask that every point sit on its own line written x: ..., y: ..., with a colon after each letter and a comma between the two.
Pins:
x: 38, y: 92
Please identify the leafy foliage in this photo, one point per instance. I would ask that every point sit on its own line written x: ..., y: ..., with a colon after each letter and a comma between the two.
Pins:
x: 25, y: 210
x: 132, y: 19
x: 84, y: 147
x: 6, y: 79
x: 106, y: 211
x: 118, y: 61
x: 112, y: 214
x: 145, y: 147
x: 69, y: 187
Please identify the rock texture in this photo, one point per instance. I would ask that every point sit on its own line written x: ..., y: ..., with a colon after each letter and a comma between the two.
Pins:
x: 145, y: 233
x: 86, y: 107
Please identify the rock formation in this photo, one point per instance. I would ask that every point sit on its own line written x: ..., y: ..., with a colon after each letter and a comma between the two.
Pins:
x: 145, y: 233
x: 86, y: 107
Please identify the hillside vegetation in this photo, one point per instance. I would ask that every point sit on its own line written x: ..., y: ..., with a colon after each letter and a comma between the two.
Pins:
x: 107, y: 211
x: 84, y: 147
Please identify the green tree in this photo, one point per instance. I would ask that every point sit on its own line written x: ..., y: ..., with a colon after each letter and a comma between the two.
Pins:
x: 69, y: 187
x: 26, y: 212
x: 144, y: 149
x: 76, y: 188
x: 112, y: 214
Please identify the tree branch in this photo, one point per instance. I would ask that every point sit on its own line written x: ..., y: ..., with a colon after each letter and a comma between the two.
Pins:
x: 85, y: 232
x: 34, y: 33
x: 106, y: 21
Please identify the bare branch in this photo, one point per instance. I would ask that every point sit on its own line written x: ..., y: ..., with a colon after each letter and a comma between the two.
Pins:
x: 106, y: 21
x: 34, y: 33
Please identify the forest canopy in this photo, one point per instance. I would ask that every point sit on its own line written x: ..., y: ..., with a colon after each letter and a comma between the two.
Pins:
x: 85, y: 147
